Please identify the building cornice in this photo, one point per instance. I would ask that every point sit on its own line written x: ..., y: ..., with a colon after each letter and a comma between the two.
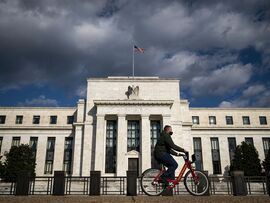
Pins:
x: 134, y: 102
x: 36, y: 128
x: 133, y: 79
x: 187, y: 123
x: 35, y: 108
x: 230, y: 128
x: 232, y: 108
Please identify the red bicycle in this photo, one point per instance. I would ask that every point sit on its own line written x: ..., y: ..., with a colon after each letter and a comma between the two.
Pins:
x: 195, y: 181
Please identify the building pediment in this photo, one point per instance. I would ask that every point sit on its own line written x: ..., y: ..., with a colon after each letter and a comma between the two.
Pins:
x: 133, y: 153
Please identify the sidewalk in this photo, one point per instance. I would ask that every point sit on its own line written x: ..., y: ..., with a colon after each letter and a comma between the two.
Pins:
x: 109, y: 199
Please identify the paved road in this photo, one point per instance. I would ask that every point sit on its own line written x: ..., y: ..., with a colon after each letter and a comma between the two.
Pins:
x: 141, y: 199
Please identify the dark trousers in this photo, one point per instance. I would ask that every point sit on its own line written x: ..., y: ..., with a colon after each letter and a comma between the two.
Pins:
x: 167, y: 160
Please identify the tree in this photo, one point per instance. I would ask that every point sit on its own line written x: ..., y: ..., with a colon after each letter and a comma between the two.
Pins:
x: 246, y: 159
x: 266, y: 163
x: 18, y: 159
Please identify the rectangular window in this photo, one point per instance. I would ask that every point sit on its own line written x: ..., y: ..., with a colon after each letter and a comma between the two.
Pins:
x: 33, y: 145
x: 215, y: 155
x: 232, y: 147
x: 154, y: 134
x: 1, y: 141
x: 133, y: 133
x: 196, y: 120
x: 70, y: 119
x: 263, y: 120
x: 197, y: 144
x: 111, y: 133
x: 53, y: 119
x: 19, y: 119
x: 266, y: 145
x: 49, y: 155
x: 68, y: 155
x: 229, y: 120
x: 36, y: 119
x: 246, y: 120
x: 15, y: 141
x: 2, y: 119
x: 212, y: 120
x: 249, y: 140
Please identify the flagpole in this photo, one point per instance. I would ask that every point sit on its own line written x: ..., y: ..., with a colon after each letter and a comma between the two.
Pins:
x: 133, y: 60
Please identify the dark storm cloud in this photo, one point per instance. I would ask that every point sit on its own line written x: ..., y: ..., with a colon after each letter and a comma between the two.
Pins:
x: 39, y: 44
x: 64, y: 42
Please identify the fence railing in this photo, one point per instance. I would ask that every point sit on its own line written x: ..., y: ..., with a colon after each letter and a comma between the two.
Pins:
x: 256, y: 185
x: 220, y: 185
x: 77, y: 185
x: 41, y: 185
x: 80, y: 185
x: 113, y: 185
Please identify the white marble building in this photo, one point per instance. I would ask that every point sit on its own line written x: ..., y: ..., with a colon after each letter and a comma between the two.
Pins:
x: 115, y: 127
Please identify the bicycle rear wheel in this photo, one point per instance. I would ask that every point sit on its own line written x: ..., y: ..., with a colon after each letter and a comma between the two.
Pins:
x: 196, y: 186
x: 149, y: 185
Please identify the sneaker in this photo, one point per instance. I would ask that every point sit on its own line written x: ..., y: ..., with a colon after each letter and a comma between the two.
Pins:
x: 170, y: 183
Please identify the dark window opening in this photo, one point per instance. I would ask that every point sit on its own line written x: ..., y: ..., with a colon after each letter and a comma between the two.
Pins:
x: 133, y: 140
x: 110, y: 166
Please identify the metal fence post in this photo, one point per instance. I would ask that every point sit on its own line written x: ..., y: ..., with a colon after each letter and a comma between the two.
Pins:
x: 268, y: 182
x: 59, y: 183
x: 22, y: 183
x: 239, y: 183
x: 131, y: 183
x: 95, y: 177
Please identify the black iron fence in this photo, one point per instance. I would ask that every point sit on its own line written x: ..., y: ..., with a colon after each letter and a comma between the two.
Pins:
x: 256, y: 185
x: 41, y: 185
x: 113, y: 186
x: 77, y: 185
x: 80, y: 185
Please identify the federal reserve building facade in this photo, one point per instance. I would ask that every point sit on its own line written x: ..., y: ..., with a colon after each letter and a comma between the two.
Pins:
x: 116, y: 127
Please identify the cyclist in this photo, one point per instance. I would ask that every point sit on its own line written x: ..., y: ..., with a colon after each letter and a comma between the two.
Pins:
x: 162, y: 152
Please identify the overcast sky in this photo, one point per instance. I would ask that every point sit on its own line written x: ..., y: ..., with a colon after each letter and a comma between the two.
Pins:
x: 220, y: 50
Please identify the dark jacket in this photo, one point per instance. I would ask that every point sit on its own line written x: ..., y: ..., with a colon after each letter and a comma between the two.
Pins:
x: 165, y: 144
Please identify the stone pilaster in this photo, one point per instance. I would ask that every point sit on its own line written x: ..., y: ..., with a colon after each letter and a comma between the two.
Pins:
x: 145, y: 143
x: 100, y: 143
x: 77, y: 155
x: 121, y: 159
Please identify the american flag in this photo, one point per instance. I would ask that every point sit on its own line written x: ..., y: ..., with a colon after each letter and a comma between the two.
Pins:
x: 138, y: 49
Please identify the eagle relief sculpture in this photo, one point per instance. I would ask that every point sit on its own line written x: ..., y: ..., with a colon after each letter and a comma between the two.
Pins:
x: 133, y: 92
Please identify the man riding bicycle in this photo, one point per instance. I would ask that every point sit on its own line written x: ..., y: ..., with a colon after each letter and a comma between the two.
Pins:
x: 163, y: 150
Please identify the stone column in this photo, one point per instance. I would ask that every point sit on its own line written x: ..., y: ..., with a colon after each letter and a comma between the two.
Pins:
x: 121, y: 161
x: 145, y: 143
x: 88, y: 144
x: 100, y: 143
x: 59, y: 150
x: 77, y: 155
x: 78, y: 138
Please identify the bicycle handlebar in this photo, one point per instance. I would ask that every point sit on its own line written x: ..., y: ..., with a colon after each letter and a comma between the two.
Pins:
x: 186, y: 157
x: 185, y: 154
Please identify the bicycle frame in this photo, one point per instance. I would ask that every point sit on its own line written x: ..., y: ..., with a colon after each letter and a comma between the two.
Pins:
x: 183, y: 170
x: 186, y: 166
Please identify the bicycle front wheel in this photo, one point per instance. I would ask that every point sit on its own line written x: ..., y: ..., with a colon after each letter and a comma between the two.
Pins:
x: 197, y: 185
x: 149, y: 185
